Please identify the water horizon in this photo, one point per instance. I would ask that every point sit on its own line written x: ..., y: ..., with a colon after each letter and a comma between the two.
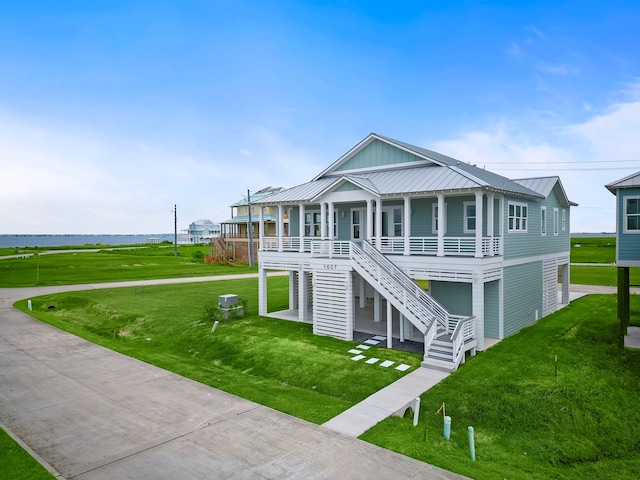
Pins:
x: 79, y: 239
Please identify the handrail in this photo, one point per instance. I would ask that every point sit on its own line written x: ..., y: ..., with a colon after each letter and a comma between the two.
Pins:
x: 465, y: 330
x: 441, y: 314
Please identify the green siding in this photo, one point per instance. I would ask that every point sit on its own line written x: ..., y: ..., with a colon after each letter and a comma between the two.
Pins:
x: 455, y: 297
x: 294, y: 222
x: 522, y: 296
x: 521, y: 244
x: 421, y: 219
x: 378, y: 154
x: 347, y: 187
x: 492, y: 309
x: 628, y: 243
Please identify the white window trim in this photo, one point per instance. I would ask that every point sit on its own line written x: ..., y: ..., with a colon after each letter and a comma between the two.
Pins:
x: 556, y: 221
x: 624, y: 215
x: 434, y: 230
x: 363, y: 215
x: 564, y: 219
x: 518, y: 230
x: 543, y: 221
x: 466, y: 223
x: 312, y: 224
x: 389, y: 212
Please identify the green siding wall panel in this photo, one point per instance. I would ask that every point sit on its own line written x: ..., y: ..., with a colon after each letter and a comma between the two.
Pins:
x: 522, y: 296
x: 628, y: 243
x: 492, y: 309
x: 455, y: 297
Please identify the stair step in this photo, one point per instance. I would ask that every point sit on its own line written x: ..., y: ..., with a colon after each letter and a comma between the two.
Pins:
x: 446, y: 356
x: 441, y: 365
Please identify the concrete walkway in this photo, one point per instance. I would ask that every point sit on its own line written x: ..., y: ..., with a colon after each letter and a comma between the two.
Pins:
x: 90, y: 413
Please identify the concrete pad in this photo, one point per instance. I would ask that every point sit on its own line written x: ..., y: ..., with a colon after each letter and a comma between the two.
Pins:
x: 372, y: 342
x: 364, y: 347
x: 387, y: 363
x: 372, y: 361
x: 358, y: 357
x: 403, y: 367
x: 355, y: 351
x: 379, y: 338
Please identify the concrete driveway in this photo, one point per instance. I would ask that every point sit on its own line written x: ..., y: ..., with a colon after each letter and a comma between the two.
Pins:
x: 90, y: 413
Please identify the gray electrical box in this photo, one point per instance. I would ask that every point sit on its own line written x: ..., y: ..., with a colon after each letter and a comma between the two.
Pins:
x: 227, y: 301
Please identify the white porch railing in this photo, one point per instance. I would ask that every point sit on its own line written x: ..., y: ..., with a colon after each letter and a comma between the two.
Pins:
x: 452, y: 246
x: 465, y: 330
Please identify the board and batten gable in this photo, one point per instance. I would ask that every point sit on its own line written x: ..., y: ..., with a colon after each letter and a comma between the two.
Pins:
x: 378, y: 154
x: 628, y: 241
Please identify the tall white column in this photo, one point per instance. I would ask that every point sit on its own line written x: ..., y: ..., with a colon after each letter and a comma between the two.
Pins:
x: 442, y: 221
x: 301, y: 220
x: 369, y: 219
x: 260, y: 226
x: 479, y: 224
x: 293, y: 291
x: 330, y: 221
x: 303, y: 296
x: 378, y: 223
x: 280, y: 227
x: 376, y: 306
x: 407, y: 226
x: 363, y: 293
x: 323, y: 220
x: 262, y: 290
x: 490, y: 220
x: 478, y: 308
x: 389, y: 325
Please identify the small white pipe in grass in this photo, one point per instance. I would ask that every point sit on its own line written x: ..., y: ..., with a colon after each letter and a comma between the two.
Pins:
x: 447, y: 427
x: 472, y: 446
x: 416, y: 411
x: 29, y: 305
x: 215, y: 325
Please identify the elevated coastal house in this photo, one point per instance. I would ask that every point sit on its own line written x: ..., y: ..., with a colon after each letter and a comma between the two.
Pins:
x: 234, y: 241
x: 388, y: 213
x: 627, y: 192
x: 200, y: 231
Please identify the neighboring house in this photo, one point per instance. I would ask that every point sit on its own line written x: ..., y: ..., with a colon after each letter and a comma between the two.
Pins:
x: 235, y: 233
x: 387, y: 213
x: 627, y: 192
x: 200, y: 231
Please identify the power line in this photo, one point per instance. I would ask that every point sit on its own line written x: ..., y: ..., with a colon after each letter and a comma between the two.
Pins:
x: 568, y: 169
x: 568, y: 162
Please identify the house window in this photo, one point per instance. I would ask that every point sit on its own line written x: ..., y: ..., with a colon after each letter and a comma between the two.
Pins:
x: 469, y: 217
x: 356, y: 224
x: 632, y: 215
x: 564, y: 219
x: 555, y: 221
x: 312, y: 224
x: 392, y: 222
x: 543, y: 221
x: 518, y: 215
x: 435, y: 218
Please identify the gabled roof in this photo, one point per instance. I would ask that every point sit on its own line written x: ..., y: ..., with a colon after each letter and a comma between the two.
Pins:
x: 629, y: 181
x: 262, y: 193
x: 545, y: 185
x: 418, y: 171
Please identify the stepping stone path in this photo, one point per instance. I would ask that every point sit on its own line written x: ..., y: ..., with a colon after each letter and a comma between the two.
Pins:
x: 372, y: 361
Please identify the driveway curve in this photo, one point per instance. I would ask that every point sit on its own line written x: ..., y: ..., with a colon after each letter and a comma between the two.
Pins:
x: 87, y: 412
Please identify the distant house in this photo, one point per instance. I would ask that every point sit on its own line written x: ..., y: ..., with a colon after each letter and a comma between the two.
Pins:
x: 200, y: 231
x: 235, y: 232
x: 387, y: 213
x: 627, y: 192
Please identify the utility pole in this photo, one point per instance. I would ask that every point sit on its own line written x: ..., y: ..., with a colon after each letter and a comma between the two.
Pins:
x: 175, y: 230
x: 250, y: 229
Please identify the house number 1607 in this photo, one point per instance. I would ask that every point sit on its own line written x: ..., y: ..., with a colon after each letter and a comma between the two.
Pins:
x: 329, y: 266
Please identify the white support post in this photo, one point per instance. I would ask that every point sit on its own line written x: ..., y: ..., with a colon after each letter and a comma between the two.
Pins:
x: 376, y: 306
x: 490, y: 221
x: 379, y: 223
x: 477, y: 303
x: 389, y: 325
x: 401, y: 327
x: 330, y: 221
x: 293, y: 291
x: 407, y: 226
x: 260, y: 226
x: 501, y: 308
x: 303, y: 296
x: 363, y: 293
x: 262, y: 290
x: 442, y: 222
x: 323, y: 221
x: 369, y: 220
x: 501, y: 224
x: 280, y: 228
x: 301, y: 220
x: 479, y: 224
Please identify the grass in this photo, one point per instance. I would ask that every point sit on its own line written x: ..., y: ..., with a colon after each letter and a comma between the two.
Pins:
x: 277, y: 363
x: 528, y: 424
x: 140, y: 263
x: 593, y: 250
x: 17, y: 464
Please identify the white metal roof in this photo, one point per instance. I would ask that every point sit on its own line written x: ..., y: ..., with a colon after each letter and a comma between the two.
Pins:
x: 629, y: 181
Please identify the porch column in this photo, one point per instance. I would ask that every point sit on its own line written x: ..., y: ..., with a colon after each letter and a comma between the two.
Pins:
x: 369, y: 219
x: 323, y: 221
x: 363, y: 293
x: 262, y: 290
x: 565, y: 283
x: 379, y: 223
x: 407, y: 227
x: 490, y: 220
x: 479, y: 224
x: 477, y: 304
x: 303, y: 296
x: 293, y: 290
x: 301, y: 219
x: 442, y: 221
x: 261, y: 233
x: 389, y: 325
x: 501, y: 222
x: 280, y: 231
x: 376, y: 306
x: 330, y: 221
x: 401, y: 327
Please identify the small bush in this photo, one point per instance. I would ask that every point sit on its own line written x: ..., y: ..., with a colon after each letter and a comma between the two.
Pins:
x: 197, y: 256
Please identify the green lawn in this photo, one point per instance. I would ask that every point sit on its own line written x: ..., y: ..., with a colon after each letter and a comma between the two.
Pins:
x: 528, y: 424
x: 277, y: 363
x: 593, y: 249
x: 149, y: 262
x: 17, y: 464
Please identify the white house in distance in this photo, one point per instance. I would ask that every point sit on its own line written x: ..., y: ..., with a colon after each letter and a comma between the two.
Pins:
x: 200, y: 231
x: 386, y: 213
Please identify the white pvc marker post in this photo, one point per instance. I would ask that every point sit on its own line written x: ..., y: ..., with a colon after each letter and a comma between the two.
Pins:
x: 416, y: 411
x: 215, y: 325
x: 29, y: 305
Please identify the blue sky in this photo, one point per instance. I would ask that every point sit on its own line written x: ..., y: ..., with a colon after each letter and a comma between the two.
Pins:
x: 113, y: 111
